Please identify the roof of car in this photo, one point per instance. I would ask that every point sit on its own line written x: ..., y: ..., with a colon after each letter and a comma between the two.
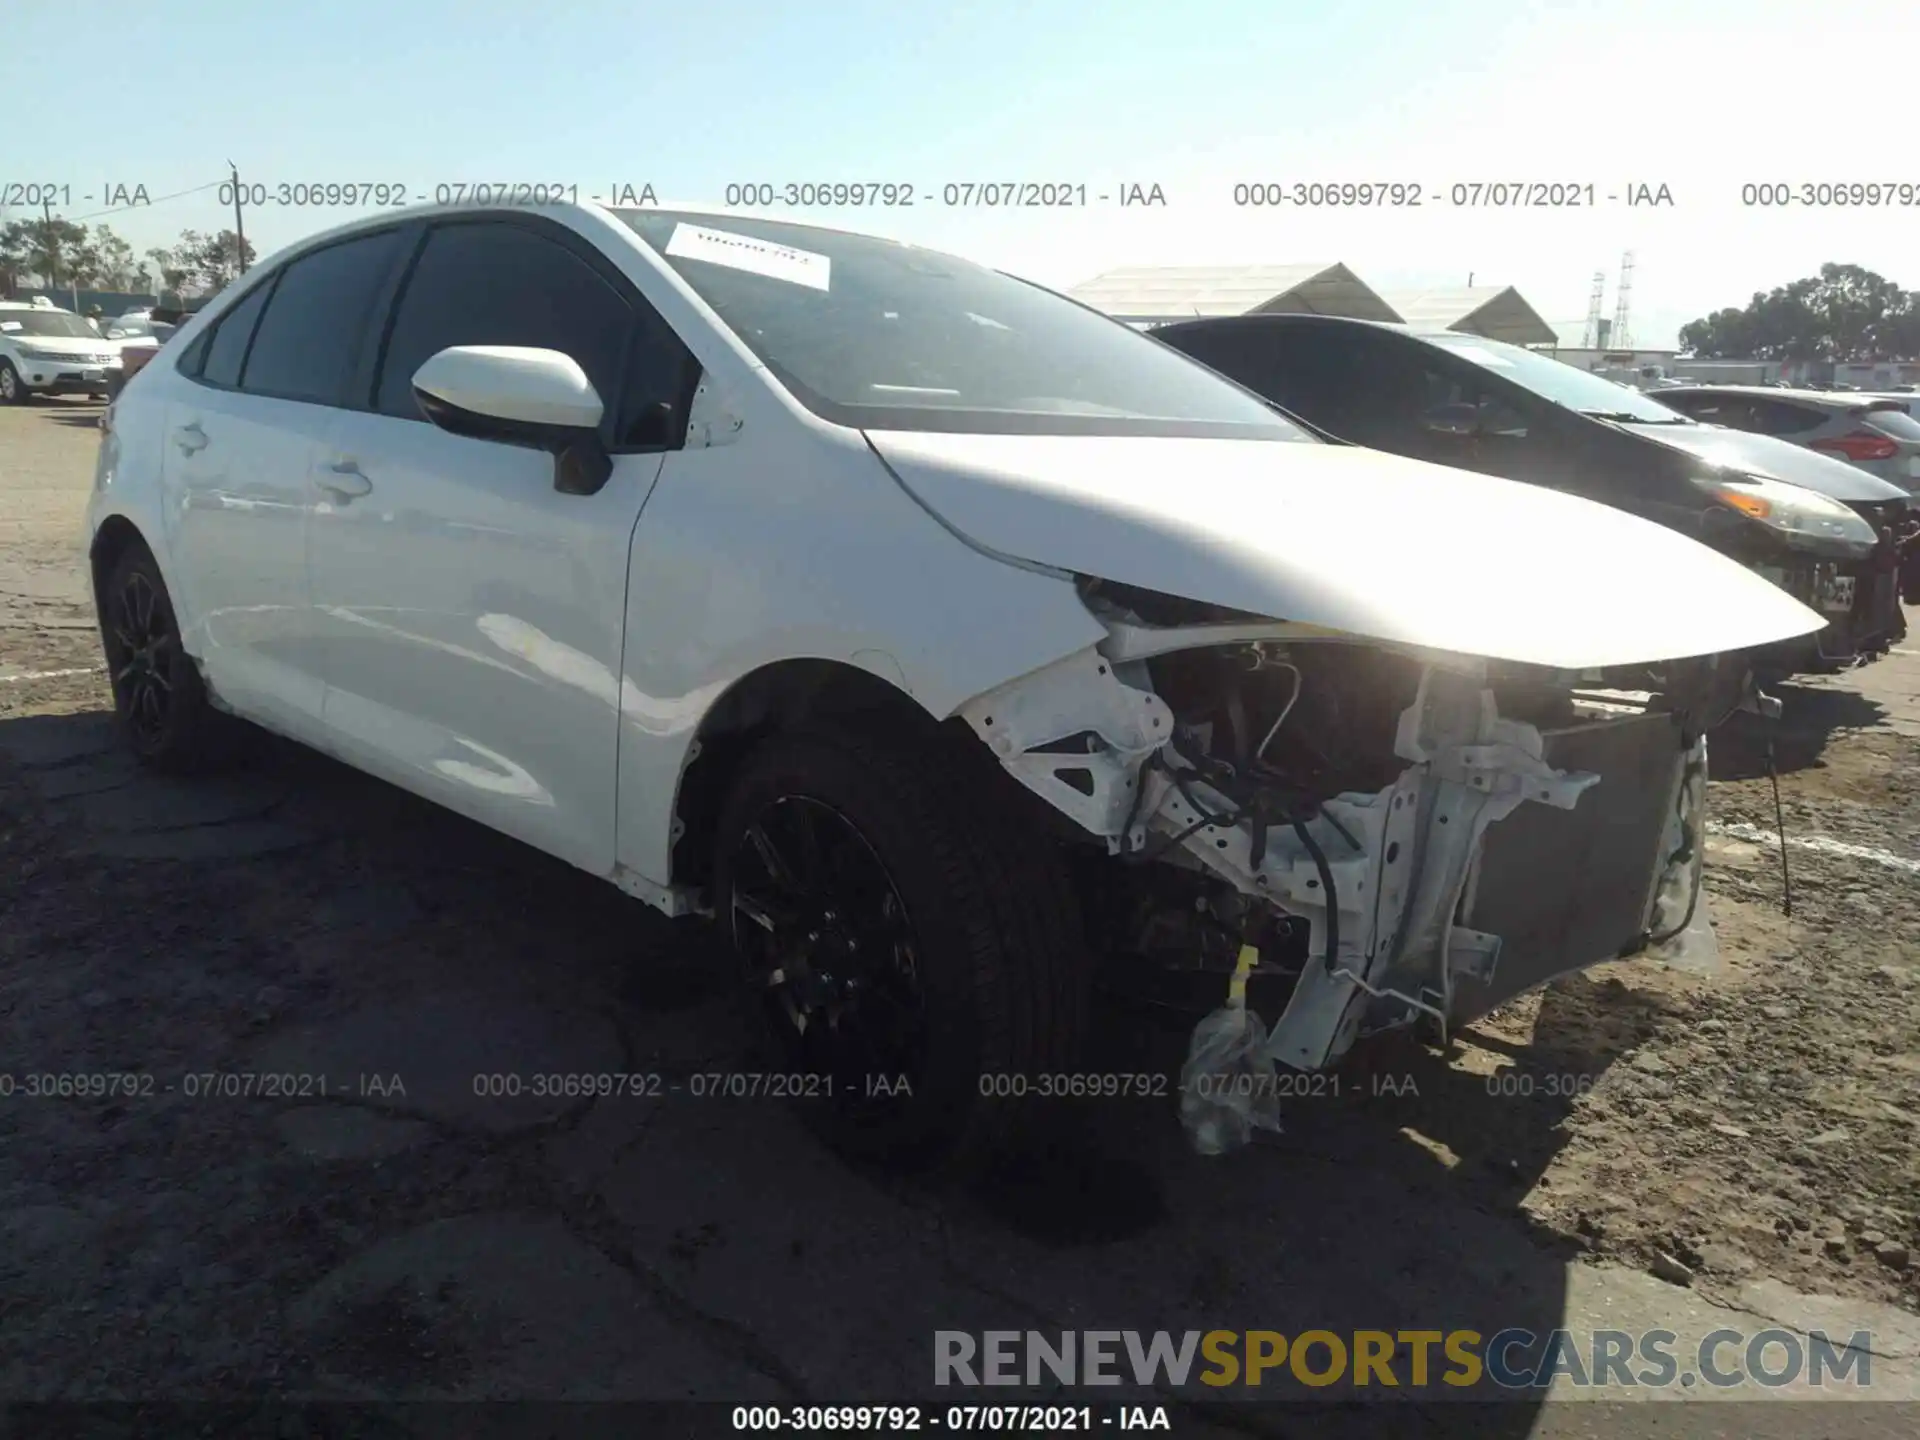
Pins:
x: 1846, y: 399
x: 1423, y: 333
x: 1281, y: 317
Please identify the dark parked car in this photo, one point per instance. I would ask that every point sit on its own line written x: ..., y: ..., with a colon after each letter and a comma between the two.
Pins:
x: 1831, y: 535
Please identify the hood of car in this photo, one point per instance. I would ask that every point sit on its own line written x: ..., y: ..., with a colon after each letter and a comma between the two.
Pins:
x: 1773, y: 458
x: 1349, y: 540
x: 69, y: 344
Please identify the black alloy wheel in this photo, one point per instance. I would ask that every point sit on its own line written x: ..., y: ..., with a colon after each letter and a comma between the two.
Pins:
x: 908, y: 940
x: 158, y: 696
x: 831, y: 952
x: 141, y: 649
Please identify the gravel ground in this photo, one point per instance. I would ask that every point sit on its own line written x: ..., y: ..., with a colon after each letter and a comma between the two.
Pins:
x: 1764, y: 1120
x: 402, y: 1236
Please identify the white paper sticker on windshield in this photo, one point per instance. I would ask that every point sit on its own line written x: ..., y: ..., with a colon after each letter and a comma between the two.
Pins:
x: 10, y: 326
x: 1481, y: 357
x: 743, y: 252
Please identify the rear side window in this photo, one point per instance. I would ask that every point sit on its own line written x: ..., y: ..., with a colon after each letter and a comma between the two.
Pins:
x: 1775, y: 417
x: 231, y: 336
x: 1312, y: 374
x: 306, y: 345
x: 502, y: 284
x: 1714, y: 410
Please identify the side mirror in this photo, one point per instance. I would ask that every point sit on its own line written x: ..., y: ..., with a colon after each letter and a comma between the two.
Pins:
x: 515, y: 395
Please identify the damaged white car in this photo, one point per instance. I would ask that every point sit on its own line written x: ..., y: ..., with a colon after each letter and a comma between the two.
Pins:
x: 942, y: 639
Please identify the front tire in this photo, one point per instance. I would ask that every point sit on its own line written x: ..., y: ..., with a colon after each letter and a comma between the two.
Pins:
x: 159, y: 698
x: 895, y: 921
x: 13, y: 390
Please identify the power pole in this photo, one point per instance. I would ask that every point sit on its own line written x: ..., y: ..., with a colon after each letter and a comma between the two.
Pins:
x: 1591, y: 339
x: 1622, y: 337
x: 239, y: 230
x: 52, y: 245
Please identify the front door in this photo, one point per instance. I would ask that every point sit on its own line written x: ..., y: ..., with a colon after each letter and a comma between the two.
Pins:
x: 471, y: 616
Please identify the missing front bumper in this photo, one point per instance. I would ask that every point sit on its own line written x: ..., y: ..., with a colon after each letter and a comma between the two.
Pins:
x: 1432, y: 916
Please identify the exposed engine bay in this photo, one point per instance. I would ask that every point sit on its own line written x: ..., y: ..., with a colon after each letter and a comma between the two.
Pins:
x: 1398, y: 835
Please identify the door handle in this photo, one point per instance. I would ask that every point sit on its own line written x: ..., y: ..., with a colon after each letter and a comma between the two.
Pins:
x: 191, y: 438
x: 343, y: 479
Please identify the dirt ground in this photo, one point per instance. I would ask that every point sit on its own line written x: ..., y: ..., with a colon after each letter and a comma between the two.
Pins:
x: 1734, y: 1134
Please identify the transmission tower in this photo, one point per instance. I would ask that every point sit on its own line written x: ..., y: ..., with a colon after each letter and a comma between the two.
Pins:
x: 1622, y: 338
x: 1590, y: 339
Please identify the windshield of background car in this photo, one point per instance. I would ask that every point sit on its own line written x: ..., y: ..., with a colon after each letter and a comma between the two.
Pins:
x: 56, y: 323
x: 1555, y: 380
x: 877, y: 335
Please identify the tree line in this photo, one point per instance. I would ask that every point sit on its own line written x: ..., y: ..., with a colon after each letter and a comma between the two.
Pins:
x: 1846, y: 312
x: 55, y: 254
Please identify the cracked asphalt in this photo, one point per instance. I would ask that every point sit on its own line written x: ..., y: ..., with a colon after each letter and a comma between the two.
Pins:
x: 294, y: 999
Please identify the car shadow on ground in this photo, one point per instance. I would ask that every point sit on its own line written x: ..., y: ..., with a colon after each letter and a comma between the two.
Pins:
x: 1811, y: 715
x: 65, y: 410
x: 391, y: 936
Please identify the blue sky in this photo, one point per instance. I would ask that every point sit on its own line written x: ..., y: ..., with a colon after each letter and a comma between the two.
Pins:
x: 1701, y: 95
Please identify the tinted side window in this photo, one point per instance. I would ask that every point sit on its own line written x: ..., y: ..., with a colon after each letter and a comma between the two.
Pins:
x: 1310, y: 373
x: 231, y: 335
x: 1458, y: 406
x: 1376, y: 391
x: 1777, y: 418
x: 307, y: 343
x: 502, y: 284
x: 1728, y: 410
x: 660, y: 371
x: 196, y: 354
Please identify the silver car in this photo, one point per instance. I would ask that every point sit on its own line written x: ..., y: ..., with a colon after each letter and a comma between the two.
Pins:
x: 1878, y: 433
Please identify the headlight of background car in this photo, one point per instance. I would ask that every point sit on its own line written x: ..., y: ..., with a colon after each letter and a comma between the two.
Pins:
x: 1790, y: 509
x: 40, y: 352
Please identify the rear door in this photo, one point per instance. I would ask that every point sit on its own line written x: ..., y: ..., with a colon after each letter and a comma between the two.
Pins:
x: 472, y: 615
x: 243, y: 437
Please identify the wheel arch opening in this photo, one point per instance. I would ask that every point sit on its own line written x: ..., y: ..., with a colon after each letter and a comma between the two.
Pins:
x: 786, y: 695
x: 115, y: 537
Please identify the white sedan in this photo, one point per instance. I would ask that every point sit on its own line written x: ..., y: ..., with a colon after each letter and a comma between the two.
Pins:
x: 940, y: 637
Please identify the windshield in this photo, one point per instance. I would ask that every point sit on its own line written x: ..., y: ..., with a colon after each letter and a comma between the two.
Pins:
x: 128, y: 325
x: 45, y: 322
x: 878, y: 335
x: 1558, y: 382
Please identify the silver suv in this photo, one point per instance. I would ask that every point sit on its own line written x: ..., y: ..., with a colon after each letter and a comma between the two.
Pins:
x: 48, y: 351
x: 1877, y: 433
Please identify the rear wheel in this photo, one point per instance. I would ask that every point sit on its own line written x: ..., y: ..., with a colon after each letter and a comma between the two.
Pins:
x: 909, y: 947
x: 158, y: 696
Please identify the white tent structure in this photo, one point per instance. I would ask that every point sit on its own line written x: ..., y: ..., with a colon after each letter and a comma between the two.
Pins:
x: 1146, y: 295
x: 1493, y: 312
x: 1157, y: 295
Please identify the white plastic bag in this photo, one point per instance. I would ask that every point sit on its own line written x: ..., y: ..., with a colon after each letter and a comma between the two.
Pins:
x: 1228, y: 1087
